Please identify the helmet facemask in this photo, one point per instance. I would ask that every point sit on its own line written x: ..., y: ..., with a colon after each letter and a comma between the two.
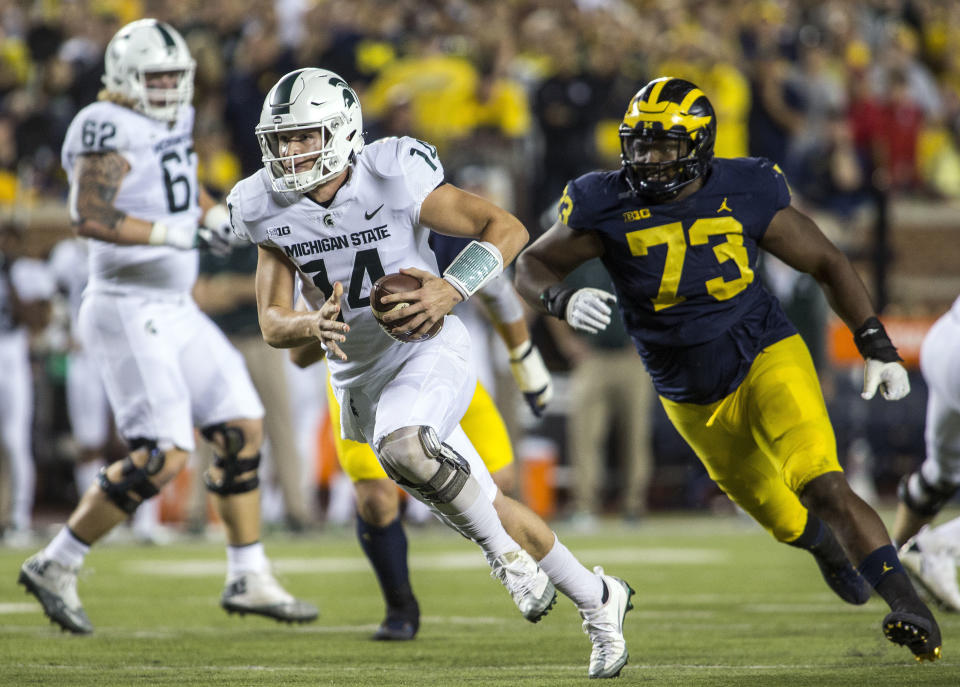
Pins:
x: 675, y: 163
x: 163, y: 103
x: 304, y: 171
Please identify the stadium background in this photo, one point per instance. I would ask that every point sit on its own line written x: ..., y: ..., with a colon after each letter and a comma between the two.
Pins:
x: 858, y: 103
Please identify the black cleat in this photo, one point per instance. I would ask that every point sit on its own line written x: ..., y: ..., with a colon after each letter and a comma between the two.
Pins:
x: 845, y: 582
x: 919, y: 634
x: 400, y: 625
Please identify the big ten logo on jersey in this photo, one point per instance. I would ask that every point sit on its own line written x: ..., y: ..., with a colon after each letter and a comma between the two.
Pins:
x: 636, y: 215
x: 277, y: 232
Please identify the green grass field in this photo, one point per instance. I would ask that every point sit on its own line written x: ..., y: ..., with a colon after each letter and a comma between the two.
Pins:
x: 718, y: 603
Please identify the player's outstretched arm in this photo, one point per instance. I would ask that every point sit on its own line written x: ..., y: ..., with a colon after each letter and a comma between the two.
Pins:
x: 796, y: 239
x: 542, y: 267
x: 281, y: 324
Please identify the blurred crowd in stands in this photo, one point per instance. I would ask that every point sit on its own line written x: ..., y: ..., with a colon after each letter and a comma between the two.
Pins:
x: 840, y: 94
x: 852, y: 100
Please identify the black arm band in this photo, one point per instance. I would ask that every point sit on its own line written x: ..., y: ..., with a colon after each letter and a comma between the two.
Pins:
x: 872, y: 342
x: 555, y: 299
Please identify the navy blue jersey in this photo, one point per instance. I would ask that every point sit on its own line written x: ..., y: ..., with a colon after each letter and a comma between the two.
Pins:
x: 685, y: 272
x: 447, y: 248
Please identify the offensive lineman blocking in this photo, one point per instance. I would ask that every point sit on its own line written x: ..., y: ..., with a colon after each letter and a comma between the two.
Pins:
x: 342, y: 215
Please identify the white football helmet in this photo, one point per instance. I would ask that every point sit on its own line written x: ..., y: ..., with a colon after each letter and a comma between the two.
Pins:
x: 144, y: 47
x: 308, y: 99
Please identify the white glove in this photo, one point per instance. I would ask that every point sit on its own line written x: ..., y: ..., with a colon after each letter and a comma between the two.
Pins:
x: 890, y: 378
x: 587, y: 310
x: 216, y: 232
x: 532, y: 376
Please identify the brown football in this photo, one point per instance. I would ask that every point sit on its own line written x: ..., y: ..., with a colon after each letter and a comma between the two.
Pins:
x: 397, y: 283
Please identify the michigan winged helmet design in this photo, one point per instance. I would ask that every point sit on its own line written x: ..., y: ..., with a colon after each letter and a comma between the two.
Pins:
x: 308, y: 99
x: 666, y: 138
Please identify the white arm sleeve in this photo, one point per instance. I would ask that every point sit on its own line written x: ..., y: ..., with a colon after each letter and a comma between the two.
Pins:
x: 501, y: 299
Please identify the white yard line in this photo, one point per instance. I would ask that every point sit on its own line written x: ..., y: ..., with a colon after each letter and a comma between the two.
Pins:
x: 436, y: 561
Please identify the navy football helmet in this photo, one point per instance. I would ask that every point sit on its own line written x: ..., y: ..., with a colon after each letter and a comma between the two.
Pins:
x: 666, y: 138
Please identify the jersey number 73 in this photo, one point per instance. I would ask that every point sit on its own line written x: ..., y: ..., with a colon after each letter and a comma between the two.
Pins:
x: 676, y: 240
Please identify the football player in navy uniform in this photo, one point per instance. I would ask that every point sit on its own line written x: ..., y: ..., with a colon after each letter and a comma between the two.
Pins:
x: 679, y: 233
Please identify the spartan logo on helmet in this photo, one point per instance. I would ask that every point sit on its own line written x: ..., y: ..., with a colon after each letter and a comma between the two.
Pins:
x: 666, y: 138
x: 310, y: 100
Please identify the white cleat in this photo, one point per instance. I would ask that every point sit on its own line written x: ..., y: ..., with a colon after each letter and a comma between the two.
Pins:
x: 55, y: 587
x: 531, y: 589
x: 933, y: 569
x: 260, y: 593
x: 604, y: 626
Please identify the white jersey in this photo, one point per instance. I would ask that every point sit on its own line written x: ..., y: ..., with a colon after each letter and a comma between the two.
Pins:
x: 371, y: 228
x: 32, y: 281
x: 68, y: 262
x: 160, y: 186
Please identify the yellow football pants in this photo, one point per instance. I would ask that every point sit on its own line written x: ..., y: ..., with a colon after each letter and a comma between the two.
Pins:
x: 764, y: 442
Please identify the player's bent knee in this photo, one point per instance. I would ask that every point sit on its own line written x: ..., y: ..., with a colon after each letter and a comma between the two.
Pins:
x: 140, y: 475
x: 230, y: 474
x: 415, y: 458
x: 922, y: 497
x: 378, y: 501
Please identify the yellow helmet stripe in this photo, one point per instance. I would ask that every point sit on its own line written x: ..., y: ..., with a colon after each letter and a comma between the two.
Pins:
x: 670, y: 115
x: 689, y: 99
x: 655, y: 91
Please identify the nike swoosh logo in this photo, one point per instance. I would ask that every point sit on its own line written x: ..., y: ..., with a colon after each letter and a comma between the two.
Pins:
x: 369, y: 215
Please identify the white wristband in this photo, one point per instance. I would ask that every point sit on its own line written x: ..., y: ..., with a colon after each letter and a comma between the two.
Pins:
x: 476, y: 265
x: 158, y: 234
x: 181, y: 236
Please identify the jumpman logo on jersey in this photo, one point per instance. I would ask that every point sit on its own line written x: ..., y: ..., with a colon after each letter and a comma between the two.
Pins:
x: 724, y: 206
x: 884, y: 569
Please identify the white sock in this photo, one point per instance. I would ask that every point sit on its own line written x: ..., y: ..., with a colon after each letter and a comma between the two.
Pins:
x: 66, y: 549
x: 472, y: 514
x: 568, y: 575
x: 244, y: 559
x: 147, y: 517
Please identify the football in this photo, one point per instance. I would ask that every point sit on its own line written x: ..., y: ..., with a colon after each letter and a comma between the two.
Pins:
x: 397, y: 283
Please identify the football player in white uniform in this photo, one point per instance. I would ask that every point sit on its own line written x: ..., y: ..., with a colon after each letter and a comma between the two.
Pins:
x: 26, y: 286
x: 342, y: 215
x: 931, y: 554
x: 87, y: 407
x: 165, y: 365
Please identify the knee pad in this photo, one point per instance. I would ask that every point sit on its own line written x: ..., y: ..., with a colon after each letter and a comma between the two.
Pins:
x: 231, y: 464
x: 416, y: 459
x: 923, y: 498
x: 134, y: 479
